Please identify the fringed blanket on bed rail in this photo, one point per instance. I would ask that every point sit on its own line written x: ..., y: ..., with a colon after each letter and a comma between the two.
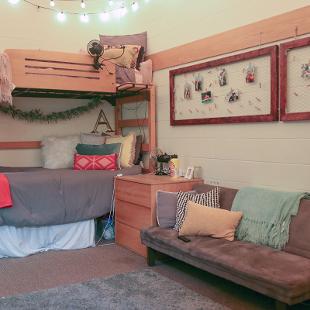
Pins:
x: 6, y: 85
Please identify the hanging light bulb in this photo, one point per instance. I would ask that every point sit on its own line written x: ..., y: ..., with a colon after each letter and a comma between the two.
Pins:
x: 83, y: 4
x: 123, y: 10
x: 135, y: 6
x: 52, y: 3
x: 13, y: 1
x: 61, y: 16
x: 117, y: 13
x: 105, y: 16
x: 84, y: 18
x: 110, y: 2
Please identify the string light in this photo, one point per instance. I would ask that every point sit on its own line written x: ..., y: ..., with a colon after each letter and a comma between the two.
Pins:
x: 14, y: 1
x: 123, y: 11
x: 118, y: 9
x: 84, y: 18
x: 61, y: 16
x: 135, y: 6
x: 105, y: 16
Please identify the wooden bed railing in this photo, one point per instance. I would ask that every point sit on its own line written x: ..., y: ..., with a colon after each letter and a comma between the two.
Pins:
x: 18, y: 145
x: 35, y: 69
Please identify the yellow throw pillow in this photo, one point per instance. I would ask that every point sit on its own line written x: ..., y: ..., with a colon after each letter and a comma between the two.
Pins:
x: 127, y: 59
x: 127, y: 154
x: 213, y: 222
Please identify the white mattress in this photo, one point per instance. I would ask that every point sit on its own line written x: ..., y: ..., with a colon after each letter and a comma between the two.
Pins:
x: 20, y: 242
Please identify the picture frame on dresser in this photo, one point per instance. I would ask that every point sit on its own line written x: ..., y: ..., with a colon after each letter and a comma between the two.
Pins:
x: 189, y: 173
x: 222, y: 91
x: 295, y: 80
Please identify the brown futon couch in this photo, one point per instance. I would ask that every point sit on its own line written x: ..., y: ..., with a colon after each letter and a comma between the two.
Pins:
x: 282, y: 275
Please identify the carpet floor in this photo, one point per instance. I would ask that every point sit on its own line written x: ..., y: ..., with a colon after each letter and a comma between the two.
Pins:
x: 60, y: 268
x: 138, y: 290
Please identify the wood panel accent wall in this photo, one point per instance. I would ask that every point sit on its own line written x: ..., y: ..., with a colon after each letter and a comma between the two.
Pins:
x: 266, y: 31
x: 17, y: 145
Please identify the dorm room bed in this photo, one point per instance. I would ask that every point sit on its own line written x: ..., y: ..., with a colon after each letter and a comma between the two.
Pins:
x: 54, y: 209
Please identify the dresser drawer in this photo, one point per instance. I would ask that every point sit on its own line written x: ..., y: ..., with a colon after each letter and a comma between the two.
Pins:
x: 133, y: 215
x: 135, y: 193
x: 129, y: 238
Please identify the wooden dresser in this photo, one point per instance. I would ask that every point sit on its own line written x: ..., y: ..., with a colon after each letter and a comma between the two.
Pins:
x: 135, y: 198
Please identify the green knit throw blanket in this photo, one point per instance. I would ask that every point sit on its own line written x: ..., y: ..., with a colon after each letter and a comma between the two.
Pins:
x: 266, y: 215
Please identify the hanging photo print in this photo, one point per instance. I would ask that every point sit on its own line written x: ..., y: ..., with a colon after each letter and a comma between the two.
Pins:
x: 187, y: 91
x: 305, y: 71
x: 206, y: 97
x: 233, y: 95
x: 222, y: 77
x: 198, y: 82
x: 250, y: 74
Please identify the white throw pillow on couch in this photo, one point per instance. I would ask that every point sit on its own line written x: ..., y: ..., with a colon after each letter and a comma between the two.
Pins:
x: 58, y: 152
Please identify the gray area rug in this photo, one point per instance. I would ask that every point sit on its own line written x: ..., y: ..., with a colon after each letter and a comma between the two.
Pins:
x: 145, y: 289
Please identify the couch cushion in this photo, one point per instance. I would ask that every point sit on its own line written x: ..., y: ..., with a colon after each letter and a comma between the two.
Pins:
x: 299, y: 240
x: 278, y: 274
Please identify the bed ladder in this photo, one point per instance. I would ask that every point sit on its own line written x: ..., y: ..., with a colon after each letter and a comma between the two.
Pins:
x: 137, y: 93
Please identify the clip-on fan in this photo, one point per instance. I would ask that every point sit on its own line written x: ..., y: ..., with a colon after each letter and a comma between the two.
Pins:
x: 96, y: 50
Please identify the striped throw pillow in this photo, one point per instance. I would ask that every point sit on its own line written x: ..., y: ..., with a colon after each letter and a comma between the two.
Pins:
x: 210, y: 199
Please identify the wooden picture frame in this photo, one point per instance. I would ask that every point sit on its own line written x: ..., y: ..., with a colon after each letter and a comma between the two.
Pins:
x: 289, y: 109
x: 272, y: 75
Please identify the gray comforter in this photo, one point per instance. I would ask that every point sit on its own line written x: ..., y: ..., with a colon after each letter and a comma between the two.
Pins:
x: 49, y: 197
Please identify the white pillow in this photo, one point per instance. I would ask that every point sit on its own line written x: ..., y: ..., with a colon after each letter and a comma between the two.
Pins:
x: 128, y: 150
x: 92, y: 138
x: 58, y: 152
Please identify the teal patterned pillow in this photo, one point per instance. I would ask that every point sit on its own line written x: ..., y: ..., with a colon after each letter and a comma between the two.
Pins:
x: 103, y: 149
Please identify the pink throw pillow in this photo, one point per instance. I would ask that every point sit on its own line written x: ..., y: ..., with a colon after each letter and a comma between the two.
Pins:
x: 95, y: 162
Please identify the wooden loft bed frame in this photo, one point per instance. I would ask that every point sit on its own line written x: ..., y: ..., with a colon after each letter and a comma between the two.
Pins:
x: 49, y: 74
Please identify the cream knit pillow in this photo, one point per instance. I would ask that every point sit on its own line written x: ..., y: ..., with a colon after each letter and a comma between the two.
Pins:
x: 127, y: 154
x: 58, y: 152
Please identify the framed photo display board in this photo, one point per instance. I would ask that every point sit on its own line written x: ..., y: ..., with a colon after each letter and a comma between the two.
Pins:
x: 295, y: 80
x: 234, y: 89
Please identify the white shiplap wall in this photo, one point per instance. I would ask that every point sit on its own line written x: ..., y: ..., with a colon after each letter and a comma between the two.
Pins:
x: 275, y: 155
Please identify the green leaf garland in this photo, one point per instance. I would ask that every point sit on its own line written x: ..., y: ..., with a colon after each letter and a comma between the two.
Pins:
x: 36, y: 115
